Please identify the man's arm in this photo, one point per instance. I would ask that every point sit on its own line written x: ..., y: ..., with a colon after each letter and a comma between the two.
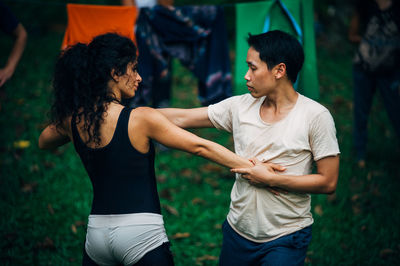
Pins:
x: 20, y: 36
x: 324, y: 182
x: 187, y: 118
x: 354, y: 28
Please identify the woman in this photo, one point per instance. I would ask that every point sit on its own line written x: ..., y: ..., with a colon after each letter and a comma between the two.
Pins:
x: 125, y: 225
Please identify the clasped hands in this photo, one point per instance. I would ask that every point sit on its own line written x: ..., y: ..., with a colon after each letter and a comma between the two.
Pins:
x: 261, y: 174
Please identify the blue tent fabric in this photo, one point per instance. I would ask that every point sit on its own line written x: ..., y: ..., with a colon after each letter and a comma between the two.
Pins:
x: 292, y: 16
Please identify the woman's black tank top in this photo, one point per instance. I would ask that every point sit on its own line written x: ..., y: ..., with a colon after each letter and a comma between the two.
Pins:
x: 123, y: 179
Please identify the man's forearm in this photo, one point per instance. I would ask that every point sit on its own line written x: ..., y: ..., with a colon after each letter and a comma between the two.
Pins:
x: 324, y: 182
x: 18, y: 48
x: 314, y: 183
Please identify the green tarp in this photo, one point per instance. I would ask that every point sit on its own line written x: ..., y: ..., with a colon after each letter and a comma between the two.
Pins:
x: 251, y: 17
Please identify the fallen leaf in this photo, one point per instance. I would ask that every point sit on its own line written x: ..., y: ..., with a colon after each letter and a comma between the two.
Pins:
x: 211, y: 245
x: 73, y: 229
x: 318, y: 210
x: 181, y: 235
x: 48, y: 164
x: 166, y: 194
x: 80, y: 223
x: 20, y: 101
x: 307, y: 260
x: 170, y: 209
x: 161, y: 178
x: 206, y: 257
x: 369, y: 176
x: 58, y: 152
x: 355, y: 197
x: 186, y: 173
x: 50, y: 209
x: 332, y: 198
x: 197, y: 201
x: 344, y: 246
x: 197, y: 179
x: 28, y: 187
x: 217, y: 226
x: 34, y: 168
x: 212, y: 182
x: 213, y: 168
x: 22, y: 144
x: 376, y: 192
x: 356, y: 209
x: 47, y: 243
x: 384, y: 253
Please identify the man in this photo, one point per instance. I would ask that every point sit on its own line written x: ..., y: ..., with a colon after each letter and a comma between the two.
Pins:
x: 276, y: 124
x: 375, y: 27
x: 10, y: 25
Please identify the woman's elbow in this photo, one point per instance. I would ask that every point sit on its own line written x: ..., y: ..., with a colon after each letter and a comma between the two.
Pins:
x: 42, y: 143
x: 200, y: 149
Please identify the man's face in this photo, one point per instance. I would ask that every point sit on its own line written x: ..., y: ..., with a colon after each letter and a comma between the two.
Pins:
x: 259, y: 79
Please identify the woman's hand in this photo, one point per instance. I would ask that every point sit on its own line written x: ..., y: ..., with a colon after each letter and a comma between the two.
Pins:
x: 260, y: 174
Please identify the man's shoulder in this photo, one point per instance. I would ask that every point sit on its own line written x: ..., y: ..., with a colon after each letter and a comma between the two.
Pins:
x: 312, y: 106
x: 239, y: 100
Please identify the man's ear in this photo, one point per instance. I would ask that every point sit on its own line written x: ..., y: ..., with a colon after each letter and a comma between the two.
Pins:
x: 280, y: 70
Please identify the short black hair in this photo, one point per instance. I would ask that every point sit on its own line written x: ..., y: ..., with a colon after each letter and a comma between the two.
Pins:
x: 279, y: 47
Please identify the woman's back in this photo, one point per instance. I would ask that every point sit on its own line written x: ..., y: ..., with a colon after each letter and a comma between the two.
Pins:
x: 123, y: 178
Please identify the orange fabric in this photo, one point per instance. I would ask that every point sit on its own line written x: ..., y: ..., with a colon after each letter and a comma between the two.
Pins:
x: 87, y: 21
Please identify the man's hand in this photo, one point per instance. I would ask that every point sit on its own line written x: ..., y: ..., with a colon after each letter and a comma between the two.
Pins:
x: 260, y: 174
x: 5, y: 74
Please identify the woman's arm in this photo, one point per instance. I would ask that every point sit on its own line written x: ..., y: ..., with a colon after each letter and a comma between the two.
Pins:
x: 156, y: 126
x: 188, y: 118
x: 51, y: 137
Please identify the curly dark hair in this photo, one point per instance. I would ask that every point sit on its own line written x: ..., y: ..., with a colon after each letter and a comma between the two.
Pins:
x: 81, y: 75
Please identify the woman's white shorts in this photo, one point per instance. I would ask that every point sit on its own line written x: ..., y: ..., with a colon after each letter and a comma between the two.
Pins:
x: 123, y: 238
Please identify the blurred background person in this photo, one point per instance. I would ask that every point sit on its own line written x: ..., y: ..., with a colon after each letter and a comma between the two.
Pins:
x: 160, y: 85
x: 147, y: 3
x: 375, y: 26
x: 11, y: 26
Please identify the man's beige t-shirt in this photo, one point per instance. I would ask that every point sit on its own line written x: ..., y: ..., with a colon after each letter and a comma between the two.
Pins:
x: 307, y: 133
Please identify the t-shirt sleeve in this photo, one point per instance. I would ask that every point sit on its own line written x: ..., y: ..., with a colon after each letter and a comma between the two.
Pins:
x: 220, y: 114
x: 323, y: 139
x: 8, y: 22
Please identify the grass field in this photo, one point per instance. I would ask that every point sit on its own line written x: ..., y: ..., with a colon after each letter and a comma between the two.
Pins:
x: 45, y: 197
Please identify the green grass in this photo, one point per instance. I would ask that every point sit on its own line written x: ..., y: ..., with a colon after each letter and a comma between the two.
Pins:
x: 45, y: 197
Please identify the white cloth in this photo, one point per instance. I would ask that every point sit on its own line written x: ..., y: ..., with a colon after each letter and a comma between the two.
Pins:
x: 307, y: 133
x: 123, y: 238
x: 145, y: 3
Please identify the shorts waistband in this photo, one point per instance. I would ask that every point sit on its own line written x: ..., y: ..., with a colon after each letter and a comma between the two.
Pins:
x: 112, y: 220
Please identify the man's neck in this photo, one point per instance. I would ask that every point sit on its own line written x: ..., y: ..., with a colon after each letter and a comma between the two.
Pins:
x: 278, y: 103
x: 283, y: 95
